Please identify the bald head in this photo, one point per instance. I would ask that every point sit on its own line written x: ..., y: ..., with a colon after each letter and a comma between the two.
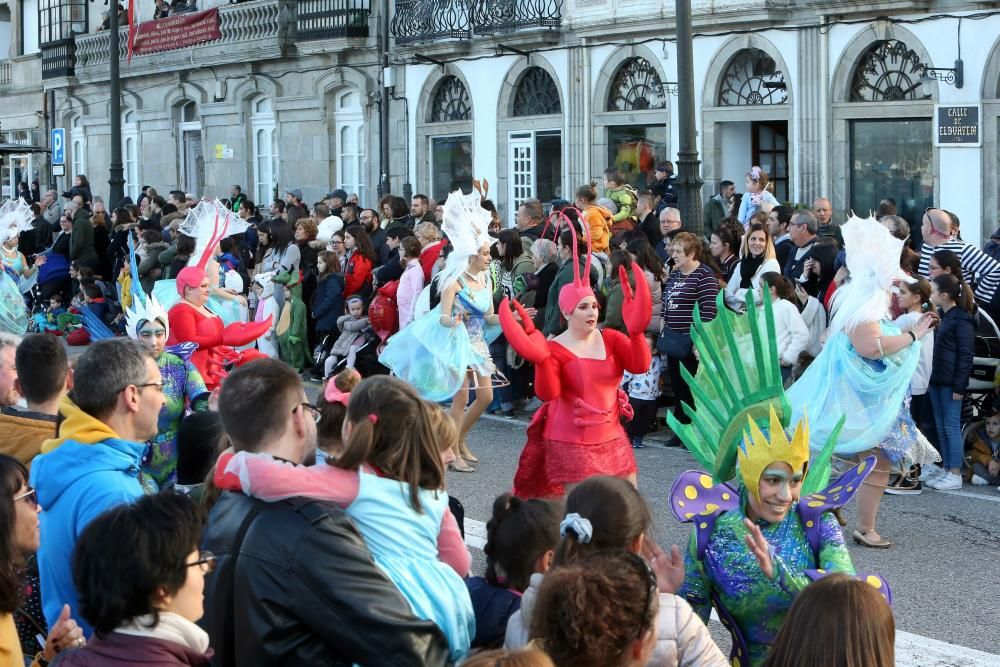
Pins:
x: 937, y: 226
x: 823, y: 210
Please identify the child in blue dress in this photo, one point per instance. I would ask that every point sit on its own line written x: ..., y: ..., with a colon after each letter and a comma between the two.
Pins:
x: 390, y: 481
x: 756, y: 196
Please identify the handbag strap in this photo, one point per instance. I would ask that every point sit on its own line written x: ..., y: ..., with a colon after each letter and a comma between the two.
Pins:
x: 229, y: 639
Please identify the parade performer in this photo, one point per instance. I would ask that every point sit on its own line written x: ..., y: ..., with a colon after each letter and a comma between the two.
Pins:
x: 183, y: 387
x: 577, y: 433
x: 865, y: 368
x: 15, y: 217
x: 759, y: 539
x: 445, y: 352
x: 190, y: 319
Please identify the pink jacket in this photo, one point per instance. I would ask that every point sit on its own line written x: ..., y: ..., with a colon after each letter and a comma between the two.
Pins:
x: 411, y: 283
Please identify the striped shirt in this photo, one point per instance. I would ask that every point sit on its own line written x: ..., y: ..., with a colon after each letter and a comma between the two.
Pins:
x: 681, y: 292
x: 980, y: 270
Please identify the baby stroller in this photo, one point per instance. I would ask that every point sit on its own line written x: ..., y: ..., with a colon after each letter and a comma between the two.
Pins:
x: 53, y: 278
x: 985, y: 367
x: 366, y: 357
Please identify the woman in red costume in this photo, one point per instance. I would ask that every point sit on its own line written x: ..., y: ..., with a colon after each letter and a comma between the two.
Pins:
x: 191, y: 320
x: 577, y: 433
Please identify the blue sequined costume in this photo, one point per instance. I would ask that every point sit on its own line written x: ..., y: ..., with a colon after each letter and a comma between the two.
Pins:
x: 435, y: 358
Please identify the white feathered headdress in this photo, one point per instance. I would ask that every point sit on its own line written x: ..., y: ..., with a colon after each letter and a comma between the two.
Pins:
x: 148, y: 310
x: 208, y: 223
x: 466, y: 224
x: 15, y: 217
x: 873, y: 255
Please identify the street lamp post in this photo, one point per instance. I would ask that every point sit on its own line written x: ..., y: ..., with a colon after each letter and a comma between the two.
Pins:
x: 688, y: 165
x: 116, y: 177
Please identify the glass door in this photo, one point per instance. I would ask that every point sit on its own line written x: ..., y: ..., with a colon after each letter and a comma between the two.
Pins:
x: 521, y: 168
x: 770, y: 153
x: 194, y: 163
x: 534, y: 167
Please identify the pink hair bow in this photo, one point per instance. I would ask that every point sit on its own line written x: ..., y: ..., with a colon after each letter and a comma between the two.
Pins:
x: 334, y: 395
x: 755, y: 173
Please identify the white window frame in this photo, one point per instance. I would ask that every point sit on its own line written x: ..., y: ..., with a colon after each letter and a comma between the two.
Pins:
x: 130, y: 155
x: 350, y: 120
x: 78, y: 148
x: 183, y: 127
x: 263, y: 125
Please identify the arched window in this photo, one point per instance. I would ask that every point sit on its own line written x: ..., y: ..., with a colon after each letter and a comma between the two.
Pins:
x: 751, y: 79
x: 130, y: 155
x: 350, y: 122
x: 265, y: 149
x: 189, y: 113
x: 889, y: 71
x: 536, y: 94
x: 636, y: 87
x: 450, y: 102
x: 78, y: 151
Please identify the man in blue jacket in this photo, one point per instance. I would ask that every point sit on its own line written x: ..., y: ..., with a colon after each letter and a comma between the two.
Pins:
x: 94, y: 463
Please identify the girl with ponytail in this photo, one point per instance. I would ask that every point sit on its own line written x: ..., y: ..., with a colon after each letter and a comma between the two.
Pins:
x: 390, y: 481
x: 915, y: 300
x: 605, y: 514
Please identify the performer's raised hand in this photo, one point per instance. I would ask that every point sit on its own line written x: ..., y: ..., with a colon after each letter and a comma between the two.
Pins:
x: 637, y: 308
x: 759, y: 548
x: 523, y: 336
x: 669, y: 568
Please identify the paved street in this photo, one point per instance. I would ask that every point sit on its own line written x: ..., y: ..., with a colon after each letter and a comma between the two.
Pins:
x: 942, y: 566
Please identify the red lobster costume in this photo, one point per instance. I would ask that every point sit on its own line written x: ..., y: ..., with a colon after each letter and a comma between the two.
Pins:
x: 577, y: 433
x: 216, y: 342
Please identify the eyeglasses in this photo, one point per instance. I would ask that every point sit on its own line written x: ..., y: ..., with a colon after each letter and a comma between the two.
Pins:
x: 29, y: 497
x: 206, y: 561
x: 652, y: 590
x: 336, y: 243
x: 309, y: 407
x: 158, y: 385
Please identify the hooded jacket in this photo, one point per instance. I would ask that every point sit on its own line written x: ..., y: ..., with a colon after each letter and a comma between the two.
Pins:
x: 954, y: 350
x: 79, y: 475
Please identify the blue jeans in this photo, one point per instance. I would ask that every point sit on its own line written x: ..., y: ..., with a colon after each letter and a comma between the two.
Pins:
x: 947, y: 417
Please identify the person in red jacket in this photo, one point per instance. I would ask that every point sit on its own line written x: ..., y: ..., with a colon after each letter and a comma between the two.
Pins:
x: 359, y: 262
x: 431, y: 245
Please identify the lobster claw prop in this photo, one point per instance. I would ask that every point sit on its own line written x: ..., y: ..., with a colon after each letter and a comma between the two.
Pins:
x: 239, y: 334
x: 523, y: 336
x: 637, y: 307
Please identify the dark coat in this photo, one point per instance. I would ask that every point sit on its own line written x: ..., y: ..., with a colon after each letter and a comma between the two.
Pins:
x: 823, y: 251
x: 305, y: 592
x: 328, y: 302
x: 121, y: 650
x: 954, y: 349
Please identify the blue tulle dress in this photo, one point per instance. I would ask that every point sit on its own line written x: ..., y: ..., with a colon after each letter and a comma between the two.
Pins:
x: 874, y: 395
x: 434, y: 358
x: 403, y: 544
x: 13, y: 312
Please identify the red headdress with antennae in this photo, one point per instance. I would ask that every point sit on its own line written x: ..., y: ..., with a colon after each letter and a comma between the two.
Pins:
x: 572, y: 294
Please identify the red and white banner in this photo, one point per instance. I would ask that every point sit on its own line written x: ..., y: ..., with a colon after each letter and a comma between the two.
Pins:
x: 176, y: 32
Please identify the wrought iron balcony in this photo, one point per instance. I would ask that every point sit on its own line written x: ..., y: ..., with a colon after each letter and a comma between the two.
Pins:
x: 431, y: 20
x: 58, y: 59
x: 332, y: 19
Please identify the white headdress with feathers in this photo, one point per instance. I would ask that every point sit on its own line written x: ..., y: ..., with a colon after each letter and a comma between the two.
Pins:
x: 873, y: 261
x: 208, y: 223
x: 148, y: 310
x: 466, y: 224
x: 15, y: 217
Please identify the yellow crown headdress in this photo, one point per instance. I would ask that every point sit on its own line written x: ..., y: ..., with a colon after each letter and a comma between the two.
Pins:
x: 757, y: 452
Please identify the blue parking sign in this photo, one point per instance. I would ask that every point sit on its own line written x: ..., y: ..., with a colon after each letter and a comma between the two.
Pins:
x: 58, y: 145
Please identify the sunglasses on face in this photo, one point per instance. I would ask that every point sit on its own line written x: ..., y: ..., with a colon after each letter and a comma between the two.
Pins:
x: 29, y: 496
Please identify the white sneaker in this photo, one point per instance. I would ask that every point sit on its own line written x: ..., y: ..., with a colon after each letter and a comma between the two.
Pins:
x: 978, y: 481
x: 946, y: 482
x: 929, y: 472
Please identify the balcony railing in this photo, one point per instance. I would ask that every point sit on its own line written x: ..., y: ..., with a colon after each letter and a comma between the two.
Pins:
x: 261, y: 25
x: 58, y: 59
x: 430, y: 20
x: 332, y: 19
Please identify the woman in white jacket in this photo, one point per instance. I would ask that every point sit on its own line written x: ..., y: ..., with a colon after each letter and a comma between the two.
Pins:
x: 608, y: 513
x: 789, y: 327
x: 757, y: 257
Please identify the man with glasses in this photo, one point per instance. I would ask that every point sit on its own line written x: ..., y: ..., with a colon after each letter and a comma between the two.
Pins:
x: 982, y: 272
x: 94, y: 463
x: 294, y: 582
x: 670, y: 224
x: 369, y: 220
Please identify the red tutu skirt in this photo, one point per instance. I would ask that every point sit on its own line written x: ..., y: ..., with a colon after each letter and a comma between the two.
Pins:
x: 546, y: 465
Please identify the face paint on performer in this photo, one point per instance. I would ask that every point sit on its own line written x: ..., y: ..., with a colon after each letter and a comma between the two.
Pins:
x: 153, y: 335
x: 779, y: 487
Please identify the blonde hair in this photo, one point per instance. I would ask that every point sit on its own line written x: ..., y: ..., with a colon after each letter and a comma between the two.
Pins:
x: 428, y: 230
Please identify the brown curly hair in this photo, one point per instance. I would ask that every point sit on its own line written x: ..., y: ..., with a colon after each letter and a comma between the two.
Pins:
x: 588, y: 614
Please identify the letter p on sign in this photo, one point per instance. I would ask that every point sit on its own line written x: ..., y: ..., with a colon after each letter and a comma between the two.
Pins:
x: 58, y: 145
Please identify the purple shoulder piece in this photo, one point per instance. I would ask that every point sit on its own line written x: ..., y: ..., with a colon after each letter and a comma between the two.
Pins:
x: 182, y: 350
x: 838, y: 494
x: 695, y: 497
x: 874, y: 580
